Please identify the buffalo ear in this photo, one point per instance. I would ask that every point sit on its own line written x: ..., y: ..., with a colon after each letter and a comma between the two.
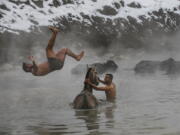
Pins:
x: 95, y: 67
x: 87, y: 67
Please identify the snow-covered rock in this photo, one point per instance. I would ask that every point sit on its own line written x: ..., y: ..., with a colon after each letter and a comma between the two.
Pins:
x: 25, y: 14
x: 98, y: 23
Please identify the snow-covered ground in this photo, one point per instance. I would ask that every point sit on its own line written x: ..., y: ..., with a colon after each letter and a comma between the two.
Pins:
x: 26, y: 16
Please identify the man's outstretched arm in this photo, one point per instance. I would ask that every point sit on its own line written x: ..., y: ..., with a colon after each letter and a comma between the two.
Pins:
x: 106, y: 88
x: 35, y: 67
x: 101, y: 80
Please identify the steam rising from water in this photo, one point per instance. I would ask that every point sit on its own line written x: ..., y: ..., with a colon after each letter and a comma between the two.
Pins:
x: 39, y: 105
x: 16, y: 48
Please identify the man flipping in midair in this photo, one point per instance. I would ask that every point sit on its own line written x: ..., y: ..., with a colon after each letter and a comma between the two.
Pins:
x: 55, y: 60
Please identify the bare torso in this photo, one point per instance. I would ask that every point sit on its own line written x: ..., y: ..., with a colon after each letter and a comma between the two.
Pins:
x: 43, y: 69
x: 51, y: 64
x: 111, y: 94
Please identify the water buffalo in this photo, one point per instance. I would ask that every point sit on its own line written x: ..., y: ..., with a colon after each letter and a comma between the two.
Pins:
x: 86, y: 99
x: 169, y: 66
x: 108, y: 66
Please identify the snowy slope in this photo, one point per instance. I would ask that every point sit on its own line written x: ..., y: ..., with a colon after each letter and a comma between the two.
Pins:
x: 25, y: 14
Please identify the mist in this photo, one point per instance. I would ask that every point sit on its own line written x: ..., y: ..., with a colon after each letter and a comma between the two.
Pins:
x: 15, y: 48
x: 28, y: 101
x: 125, y: 31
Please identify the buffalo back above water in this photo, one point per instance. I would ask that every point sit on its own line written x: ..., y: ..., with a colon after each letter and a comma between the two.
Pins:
x: 169, y: 66
x: 108, y: 66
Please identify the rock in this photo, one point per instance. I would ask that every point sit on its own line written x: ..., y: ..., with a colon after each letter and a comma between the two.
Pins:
x: 18, y: 2
x: 1, y: 16
x: 109, y: 66
x: 169, y: 66
x: 56, y: 3
x: 39, y: 3
x: 134, y: 5
x: 122, y: 3
x: 102, y: 31
x: 33, y: 21
x: 67, y: 2
x: 107, y: 10
x: 117, y: 5
x: 4, y: 7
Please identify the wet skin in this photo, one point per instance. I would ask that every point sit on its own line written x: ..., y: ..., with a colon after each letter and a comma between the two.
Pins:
x: 109, y: 88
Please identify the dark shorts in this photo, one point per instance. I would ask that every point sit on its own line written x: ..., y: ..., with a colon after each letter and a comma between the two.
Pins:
x: 55, y: 64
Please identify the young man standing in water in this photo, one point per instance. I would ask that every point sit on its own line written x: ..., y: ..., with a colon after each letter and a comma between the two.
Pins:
x: 55, y: 60
x: 109, y: 88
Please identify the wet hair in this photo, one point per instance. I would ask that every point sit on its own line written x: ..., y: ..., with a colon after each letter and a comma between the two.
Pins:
x: 110, y: 75
x: 25, y: 67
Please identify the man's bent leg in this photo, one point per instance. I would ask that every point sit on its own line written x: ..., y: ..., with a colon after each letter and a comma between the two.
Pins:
x: 61, y: 55
x: 75, y: 56
x: 49, y: 48
x: 65, y: 51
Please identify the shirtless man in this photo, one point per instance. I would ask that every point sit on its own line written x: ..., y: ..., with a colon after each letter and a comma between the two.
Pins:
x: 55, y: 60
x: 109, y: 88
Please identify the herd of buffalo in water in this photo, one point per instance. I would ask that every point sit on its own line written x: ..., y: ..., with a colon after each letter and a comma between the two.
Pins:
x: 169, y: 66
x: 86, y: 99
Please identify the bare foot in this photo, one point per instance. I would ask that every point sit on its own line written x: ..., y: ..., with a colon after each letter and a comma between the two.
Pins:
x: 53, y: 29
x: 80, y: 56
